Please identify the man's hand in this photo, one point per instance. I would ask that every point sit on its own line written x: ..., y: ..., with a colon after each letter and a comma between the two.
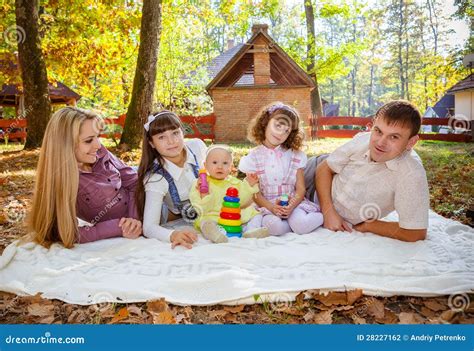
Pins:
x: 333, y: 221
x: 361, y: 227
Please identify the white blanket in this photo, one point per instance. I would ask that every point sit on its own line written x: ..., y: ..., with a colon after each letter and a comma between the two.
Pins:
x: 144, y: 269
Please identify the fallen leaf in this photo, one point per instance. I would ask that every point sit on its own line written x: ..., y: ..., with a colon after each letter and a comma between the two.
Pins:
x: 160, y: 312
x: 376, y: 308
x: 389, y: 318
x: 434, y: 305
x: 447, y: 315
x: 135, y: 310
x: 77, y: 316
x: 38, y: 310
x: 409, y: 318
x: 299, y: 299
x: 217, y: 313
x: 358, y: 319
x: 339, y: 298
x: 47, y: 320
x: 426, y: 312
x: 344, y: 308
x: 308, y: 316
x: 34, y: 299
x: 292, y: 311
x: 180, y: 317
x: 230, y: 318
x: 464, y: 320
x: 120, y: 315
x: 234, y: 309
x: 324, y: 317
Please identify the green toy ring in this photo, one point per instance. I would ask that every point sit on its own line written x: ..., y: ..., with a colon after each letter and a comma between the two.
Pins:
x: 231, y: 229
x: 231, y: 204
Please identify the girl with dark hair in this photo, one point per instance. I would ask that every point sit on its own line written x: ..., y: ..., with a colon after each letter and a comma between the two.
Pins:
x: 168, y: 167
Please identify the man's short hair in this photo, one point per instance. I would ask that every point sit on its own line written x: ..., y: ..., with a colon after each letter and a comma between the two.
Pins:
x: 401, y: 112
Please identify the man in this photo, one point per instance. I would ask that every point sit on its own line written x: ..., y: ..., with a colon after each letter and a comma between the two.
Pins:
x: 374, y: 174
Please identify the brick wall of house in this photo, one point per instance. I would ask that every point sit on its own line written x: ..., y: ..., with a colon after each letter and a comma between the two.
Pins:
x: 261, y: 62
x: 235, y: 107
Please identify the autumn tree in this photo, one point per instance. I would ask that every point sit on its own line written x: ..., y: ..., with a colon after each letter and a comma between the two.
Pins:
x: 316, y: 105
x: 141, y: 103
x: 37, y: 106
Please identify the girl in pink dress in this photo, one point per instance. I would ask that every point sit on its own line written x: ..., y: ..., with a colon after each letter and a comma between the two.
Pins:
x: 279, y: 163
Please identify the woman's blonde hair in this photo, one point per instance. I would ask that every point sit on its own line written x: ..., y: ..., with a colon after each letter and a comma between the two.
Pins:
x: 53, y: 215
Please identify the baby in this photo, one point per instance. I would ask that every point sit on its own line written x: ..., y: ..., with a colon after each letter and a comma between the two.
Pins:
x: 208, y: 205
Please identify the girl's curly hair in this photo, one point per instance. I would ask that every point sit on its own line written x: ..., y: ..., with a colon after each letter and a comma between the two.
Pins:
x: 258, y: 125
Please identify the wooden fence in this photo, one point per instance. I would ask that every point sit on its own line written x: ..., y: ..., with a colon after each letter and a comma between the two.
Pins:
x: 203, y: 127
x: 463, y: 127
x: 195, y: 127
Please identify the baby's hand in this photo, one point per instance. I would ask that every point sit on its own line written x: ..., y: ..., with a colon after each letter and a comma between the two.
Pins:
x: 198, y: 188
x: 252, y: 178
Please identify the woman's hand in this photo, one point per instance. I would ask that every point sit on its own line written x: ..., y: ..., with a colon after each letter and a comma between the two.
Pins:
x: 131, y: 228
x: 185, y: 237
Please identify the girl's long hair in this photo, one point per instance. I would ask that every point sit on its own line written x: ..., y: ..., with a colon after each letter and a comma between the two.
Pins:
x: 53, y: 214
x: 166, y: 120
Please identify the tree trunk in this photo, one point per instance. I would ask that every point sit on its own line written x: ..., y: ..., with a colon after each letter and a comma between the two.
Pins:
x: 33, y: 72
x: 371, y: 87
x: 141, y: 102
x: 316, y: 105
x: 400, y: 46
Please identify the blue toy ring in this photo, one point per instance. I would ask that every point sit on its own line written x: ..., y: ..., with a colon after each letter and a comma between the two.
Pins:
x: 231, y: 199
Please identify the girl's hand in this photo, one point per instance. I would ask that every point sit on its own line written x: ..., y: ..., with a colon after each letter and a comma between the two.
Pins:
x: 293, y: 202
x: 278, y: 210
x: 185, y: 237
x: 252, y: 179
x: 131, y: 228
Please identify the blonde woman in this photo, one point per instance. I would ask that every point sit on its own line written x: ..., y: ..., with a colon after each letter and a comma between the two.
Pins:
x: 83, y: 193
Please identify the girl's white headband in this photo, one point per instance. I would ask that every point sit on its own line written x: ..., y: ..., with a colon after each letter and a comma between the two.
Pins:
x: 151, y: 118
